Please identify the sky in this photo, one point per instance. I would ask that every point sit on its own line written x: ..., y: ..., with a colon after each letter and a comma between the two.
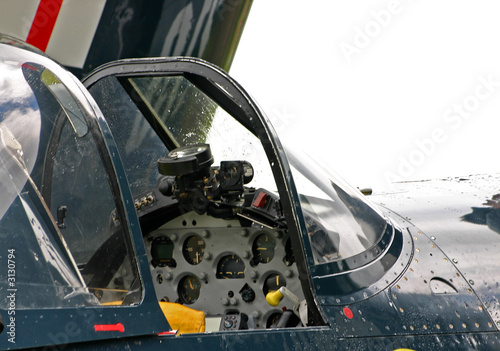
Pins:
x: 380, y: 91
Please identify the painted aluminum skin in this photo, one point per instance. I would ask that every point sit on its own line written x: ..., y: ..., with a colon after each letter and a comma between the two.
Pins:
x: 82, y: 35
x: 460, y: 215
x: 429, y: 282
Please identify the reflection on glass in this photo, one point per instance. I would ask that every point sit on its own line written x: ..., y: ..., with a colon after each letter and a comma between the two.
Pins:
x: 49, y: 161
x: 340, y: 222
x: 68, y: 102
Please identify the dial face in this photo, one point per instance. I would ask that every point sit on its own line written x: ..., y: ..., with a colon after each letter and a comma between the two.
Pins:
x: 273, y: 282
x: 263, y: 248
x: 273, y: 319
x: 189, y: 289
x: 161, y: 252
x: 188, y: 150
x: 230, y: 267
x: 247, y: 293
x: 194, y: 249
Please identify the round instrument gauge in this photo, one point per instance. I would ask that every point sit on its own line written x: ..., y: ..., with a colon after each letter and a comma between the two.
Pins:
x: 273, y: 282
x: 230, y: 267
x: 161, y: 252
x: 273, y: 319
x: 185, y: 160
x: 189, y: 289
x: 263, y: 248
x: 194, y: 249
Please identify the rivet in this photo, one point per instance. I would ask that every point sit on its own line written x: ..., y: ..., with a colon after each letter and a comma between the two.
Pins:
x: 433, y: 237
x: 417, y: 249
x: 464, y: 325
x: 455, y: 260
x: 438, y: 326
x: 411, y: 327
x: 425, y: 327
x: 477, y: 325
x: 451, y: 326
x: 401, y: 310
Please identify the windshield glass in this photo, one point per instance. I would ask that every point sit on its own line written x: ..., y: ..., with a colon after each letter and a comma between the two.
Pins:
x: 340, y: 222
x: 60, y: 227
x: 183, y: 115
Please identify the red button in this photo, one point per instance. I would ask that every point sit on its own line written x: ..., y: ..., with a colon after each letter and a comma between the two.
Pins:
x: 260, y: 201
x: 348, y: 313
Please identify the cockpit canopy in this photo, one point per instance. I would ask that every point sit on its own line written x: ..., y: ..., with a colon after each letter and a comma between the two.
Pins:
x: 60, y: 215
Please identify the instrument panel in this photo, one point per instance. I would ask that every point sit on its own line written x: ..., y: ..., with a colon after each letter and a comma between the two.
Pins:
x: 217, y: 266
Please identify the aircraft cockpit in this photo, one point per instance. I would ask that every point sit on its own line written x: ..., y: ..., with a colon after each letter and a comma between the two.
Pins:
x: 158, y: 208
x: 212, y: 198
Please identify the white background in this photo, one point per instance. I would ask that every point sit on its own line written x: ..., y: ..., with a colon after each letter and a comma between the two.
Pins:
x: 373, y: 87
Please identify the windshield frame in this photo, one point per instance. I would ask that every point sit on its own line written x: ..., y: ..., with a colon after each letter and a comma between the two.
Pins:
x: 229, y: 95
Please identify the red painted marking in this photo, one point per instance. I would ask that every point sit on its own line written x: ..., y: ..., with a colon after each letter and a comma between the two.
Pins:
x: 25, y: 65
x: 348, y: 313
x: 43, y: 23
x: 170, y: 332
x: 109, y: 327
x: 260, y: 201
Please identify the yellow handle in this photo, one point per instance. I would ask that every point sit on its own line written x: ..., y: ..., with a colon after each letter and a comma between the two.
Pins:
x: 274, y: 297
